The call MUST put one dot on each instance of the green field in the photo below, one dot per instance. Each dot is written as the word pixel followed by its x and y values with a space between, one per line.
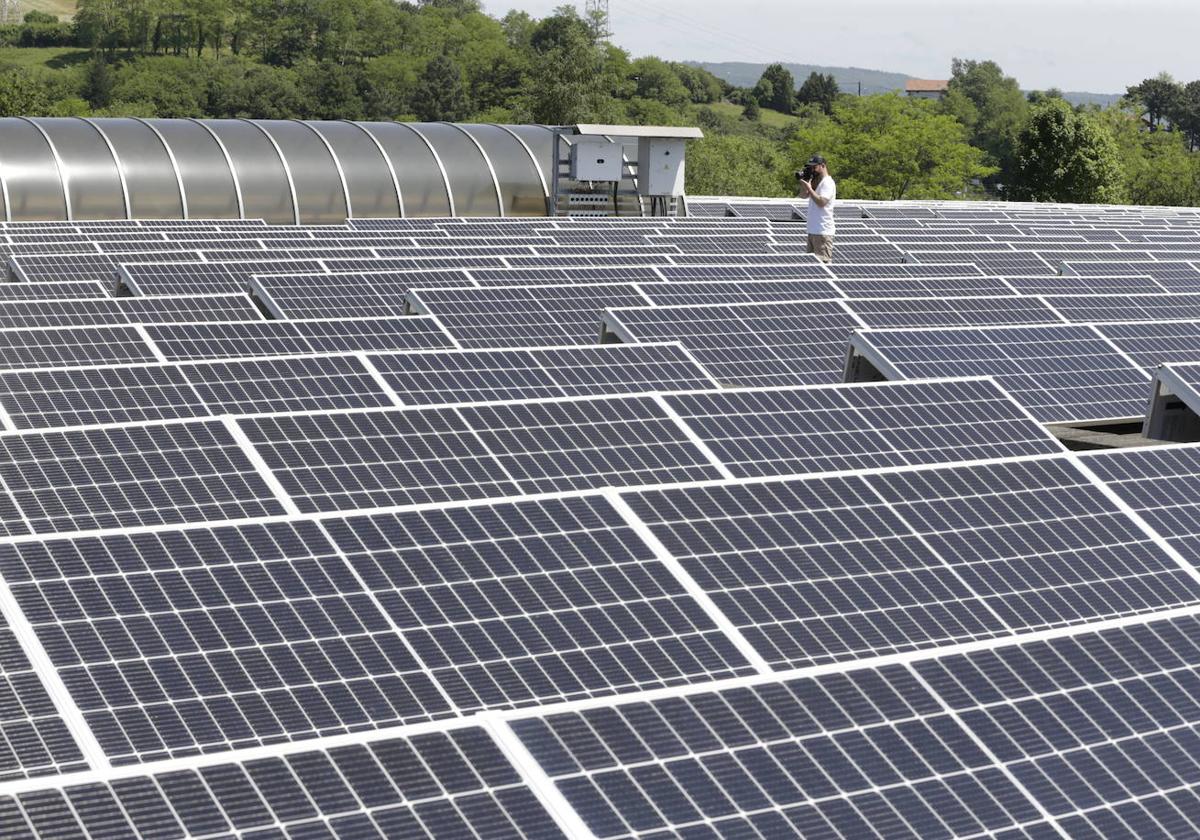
pixel 64 9
pixel 51 57
pixel 770 118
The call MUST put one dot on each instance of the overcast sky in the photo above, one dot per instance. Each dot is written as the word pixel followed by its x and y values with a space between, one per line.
pixel 1071 44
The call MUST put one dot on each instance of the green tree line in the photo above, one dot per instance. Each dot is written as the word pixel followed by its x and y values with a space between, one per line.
pixel 448 60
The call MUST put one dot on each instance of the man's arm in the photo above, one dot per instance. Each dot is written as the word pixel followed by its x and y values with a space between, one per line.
pixel 807 189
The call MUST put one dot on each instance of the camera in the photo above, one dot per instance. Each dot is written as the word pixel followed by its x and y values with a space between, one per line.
pixel 808 173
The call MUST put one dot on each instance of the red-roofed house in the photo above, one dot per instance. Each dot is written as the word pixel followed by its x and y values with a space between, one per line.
pixel 926 88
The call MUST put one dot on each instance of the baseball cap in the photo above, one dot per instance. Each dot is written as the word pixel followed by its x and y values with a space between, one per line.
pixel 816 160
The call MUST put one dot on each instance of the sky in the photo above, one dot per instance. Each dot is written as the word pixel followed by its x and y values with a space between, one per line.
pixel 1077 45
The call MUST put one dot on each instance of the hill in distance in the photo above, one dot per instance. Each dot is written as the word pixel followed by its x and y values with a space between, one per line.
pixel 745 74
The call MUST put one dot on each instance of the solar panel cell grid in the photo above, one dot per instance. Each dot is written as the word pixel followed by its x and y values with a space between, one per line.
pixel 515 604
pixel 1059 373
pixel 122 477
pixel 517 316
pixel 177 641
pixel 789 432
pixel 867 754
pixel 1099 727
pixel 453 784
pixel 750 344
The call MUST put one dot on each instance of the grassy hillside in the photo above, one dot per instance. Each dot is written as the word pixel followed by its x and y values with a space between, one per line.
pixel 744 74
pixel 64 9
pixel 767 117
pixel 52 57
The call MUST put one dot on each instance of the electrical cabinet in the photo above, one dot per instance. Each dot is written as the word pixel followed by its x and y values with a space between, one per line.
pixel 595 159
pixel 660 166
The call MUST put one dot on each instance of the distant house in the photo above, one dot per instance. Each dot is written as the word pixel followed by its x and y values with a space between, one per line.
pixel 926 88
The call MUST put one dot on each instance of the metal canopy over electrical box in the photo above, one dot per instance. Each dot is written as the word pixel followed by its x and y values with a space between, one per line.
pixel 596 159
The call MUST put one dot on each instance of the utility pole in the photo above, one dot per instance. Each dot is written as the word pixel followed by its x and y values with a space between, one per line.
pixel 10 11
pixel 596 12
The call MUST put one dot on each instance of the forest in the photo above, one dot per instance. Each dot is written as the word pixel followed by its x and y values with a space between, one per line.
pixel 450 60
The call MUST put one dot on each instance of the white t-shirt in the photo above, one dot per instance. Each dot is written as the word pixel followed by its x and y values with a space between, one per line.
pixel 820 219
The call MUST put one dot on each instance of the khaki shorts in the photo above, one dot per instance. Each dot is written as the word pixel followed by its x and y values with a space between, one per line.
pixel 822 246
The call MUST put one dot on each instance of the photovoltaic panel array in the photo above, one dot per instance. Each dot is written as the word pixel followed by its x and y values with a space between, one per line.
pixel 179 342
pixel 66 347
pixel 749 344
pixel 34 739
pixel 417 456
pixel 113 477
pixel 80 311
pixel 519 316
pixel 485 375
pixel 455 783
pixel 868 754
pixel 519 604
pixel 1059 373
pixel 1138 478
pixel 361 295
pixel 181 641
pixel 811 430
pixel 831 569
pixel 953 311
pixel 1151 344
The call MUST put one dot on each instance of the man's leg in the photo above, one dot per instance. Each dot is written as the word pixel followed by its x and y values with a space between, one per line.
pixel 822 246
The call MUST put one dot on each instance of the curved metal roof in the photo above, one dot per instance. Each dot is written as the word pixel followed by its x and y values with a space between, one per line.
pixel 283 171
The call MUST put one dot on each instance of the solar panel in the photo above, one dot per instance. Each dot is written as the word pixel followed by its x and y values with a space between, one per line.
pixel 1152 344
pixel 734 291
pixel 1073 285
pixel 585 444
pixel 282 338
pixel 554 276
pixel 1098 727
pixel 927 287
pixel 65 347
pixel 516 316
pixel 32 268
pixel 824 429
pixel 108 310
pixel 1173 276
pixel 414 456
pixel 345 295
pixel 425 378
pixel 34 739
pixel 45 399
pixel 41 399
pixel 1059 373
pixel 749 344
pixel 113 477
pixel 352 461
pixel 1126 307
pixel 528 603
pixel 259 386
pixel 203 278
pixel 869 753
pixel 455 783
pixel 1139 476
pixel 51 290
pixel 214 638
pixel 952 312
pixel 876 271
pixel 1001 264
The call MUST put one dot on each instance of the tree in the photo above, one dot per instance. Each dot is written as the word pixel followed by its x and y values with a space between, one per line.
pixel 819 89
pixel 1158 97
pixel 1185 114
pixel 98 82
pixel 734 165
pixel 21 93
pixel 1063 155
pixel 655 79
pixel 1158 167
pixel 440 93
pixel 890 147
pixel 991 106
pixel 752 112
pixel 782 97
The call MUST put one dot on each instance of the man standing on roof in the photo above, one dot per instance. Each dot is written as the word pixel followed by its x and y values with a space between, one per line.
pixel 816 183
